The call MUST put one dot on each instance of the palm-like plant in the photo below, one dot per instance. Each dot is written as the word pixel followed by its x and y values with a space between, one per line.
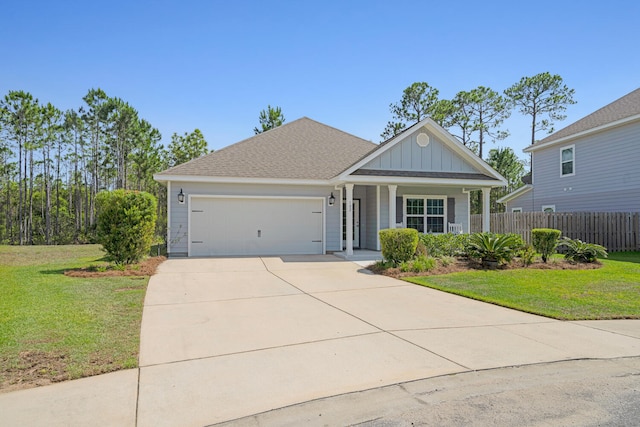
pixel 498 248
pixel 579 251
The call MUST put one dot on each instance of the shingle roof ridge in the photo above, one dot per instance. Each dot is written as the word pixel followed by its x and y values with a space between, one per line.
pixel 339 130
pixel 234 145
pixel 629 104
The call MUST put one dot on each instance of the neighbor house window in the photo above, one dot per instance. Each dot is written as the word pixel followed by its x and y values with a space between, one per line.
pixel 548 208
pixel 425 213
pixel 567 161
pixel 516 210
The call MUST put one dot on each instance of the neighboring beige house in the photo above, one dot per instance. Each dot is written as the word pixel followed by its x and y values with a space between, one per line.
pixel 592 165
pixel 301 188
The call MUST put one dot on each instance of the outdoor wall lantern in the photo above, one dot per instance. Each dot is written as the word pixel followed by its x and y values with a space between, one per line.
pixel 332 200
pixel 181 197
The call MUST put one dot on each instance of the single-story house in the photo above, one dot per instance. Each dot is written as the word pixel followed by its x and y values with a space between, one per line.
pixel 303 187
pixel 592 165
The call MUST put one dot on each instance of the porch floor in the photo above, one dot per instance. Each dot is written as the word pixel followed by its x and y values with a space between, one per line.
pixel 361 255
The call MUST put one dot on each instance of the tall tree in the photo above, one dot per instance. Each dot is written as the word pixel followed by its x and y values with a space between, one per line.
pixel 20 116
pixel 186 147
pixel 544 97
pixel 418 101
pixel 505 162
pixel 270 118
pixel 484 111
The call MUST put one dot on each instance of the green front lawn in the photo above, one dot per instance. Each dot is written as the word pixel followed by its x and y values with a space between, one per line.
pixel 611 292
pixel 54 327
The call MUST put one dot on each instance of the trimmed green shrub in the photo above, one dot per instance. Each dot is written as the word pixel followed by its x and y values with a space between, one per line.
pixel 545 241
pixel 398 244
pixel 579 251
pixel 439 245
pixel 489 247
pixel 125 224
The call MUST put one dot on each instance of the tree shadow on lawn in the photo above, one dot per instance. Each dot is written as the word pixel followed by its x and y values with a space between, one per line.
pixel 633 257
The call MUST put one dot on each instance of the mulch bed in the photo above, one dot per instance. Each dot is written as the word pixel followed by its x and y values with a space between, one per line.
pixel 466 264
pixel 146 267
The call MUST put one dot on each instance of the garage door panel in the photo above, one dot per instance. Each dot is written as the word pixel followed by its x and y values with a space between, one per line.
pixel 254 226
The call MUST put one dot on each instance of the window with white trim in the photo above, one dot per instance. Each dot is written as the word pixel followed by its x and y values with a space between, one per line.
pixel 427 214
pixel 548 208
pixel 516 210
pixel 567 161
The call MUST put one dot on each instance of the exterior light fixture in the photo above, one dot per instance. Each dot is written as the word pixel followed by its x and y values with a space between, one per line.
pixel 332 199
pixel 181 197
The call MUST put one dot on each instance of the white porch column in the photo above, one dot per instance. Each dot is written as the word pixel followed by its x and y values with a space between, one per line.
pixel 349 234
pixel 486 209
pixel 377 217
pixel 392 206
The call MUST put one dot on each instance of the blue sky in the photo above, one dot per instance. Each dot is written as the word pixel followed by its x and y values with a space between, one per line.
pixel 214 65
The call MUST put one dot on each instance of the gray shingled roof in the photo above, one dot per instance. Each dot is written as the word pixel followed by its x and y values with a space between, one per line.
pixel 627 106
pixel 302 149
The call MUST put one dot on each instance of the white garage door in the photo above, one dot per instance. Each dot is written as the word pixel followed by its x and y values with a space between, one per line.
pixel 255 226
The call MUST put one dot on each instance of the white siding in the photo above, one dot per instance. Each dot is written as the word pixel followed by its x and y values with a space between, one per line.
pixel 607 174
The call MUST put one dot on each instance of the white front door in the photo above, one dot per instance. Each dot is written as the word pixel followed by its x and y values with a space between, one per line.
pixel 356 223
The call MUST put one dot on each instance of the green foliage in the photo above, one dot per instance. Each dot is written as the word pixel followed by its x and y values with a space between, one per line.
pixel 446 260
pixel 539 96
pixel 489 247
pixel 482 111
pixel 126 224
pixel 398 244
pixel 507 164
pixel 418 102
pixel 579 251
pixel 269 119
pixel 527 255
pixel 545 241
pixel 186 147
pixel 439 245
pixel 419 264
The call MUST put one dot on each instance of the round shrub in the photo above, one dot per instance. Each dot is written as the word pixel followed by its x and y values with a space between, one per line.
pixel 125 224
pixel 398 244
pixel 545 241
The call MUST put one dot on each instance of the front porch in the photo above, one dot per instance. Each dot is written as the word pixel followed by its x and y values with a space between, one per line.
pixel 368 208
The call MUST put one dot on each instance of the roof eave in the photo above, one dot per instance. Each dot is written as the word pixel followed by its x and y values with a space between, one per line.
pixel 518 192
pixel 587 132
pixel 239 180
pixel 391 180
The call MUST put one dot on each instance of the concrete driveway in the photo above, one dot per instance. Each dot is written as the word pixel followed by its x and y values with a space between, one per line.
pixel 230 337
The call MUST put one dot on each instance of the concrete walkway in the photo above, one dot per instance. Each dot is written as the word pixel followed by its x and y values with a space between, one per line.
pixel 230 337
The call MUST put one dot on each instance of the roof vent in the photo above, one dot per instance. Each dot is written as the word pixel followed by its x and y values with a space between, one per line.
pixel 422 139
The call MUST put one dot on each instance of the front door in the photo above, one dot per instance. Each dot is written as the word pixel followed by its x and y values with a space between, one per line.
pixel 356 223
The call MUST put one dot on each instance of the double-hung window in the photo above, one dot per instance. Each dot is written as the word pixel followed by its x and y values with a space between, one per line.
pixel 567 161
pixel 426 213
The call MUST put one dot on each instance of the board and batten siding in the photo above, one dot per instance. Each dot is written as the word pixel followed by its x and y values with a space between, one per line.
pixel 178 232
pixel 408 155
pixel 606 179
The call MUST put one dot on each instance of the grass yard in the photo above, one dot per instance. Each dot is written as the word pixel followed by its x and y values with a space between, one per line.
pixel 53 327
pixel 610 292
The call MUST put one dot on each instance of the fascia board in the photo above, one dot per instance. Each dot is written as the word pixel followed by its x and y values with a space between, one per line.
pixel 390 180
pixel 234 180
pixel 449 140
pixel 515 193
pixel 587 132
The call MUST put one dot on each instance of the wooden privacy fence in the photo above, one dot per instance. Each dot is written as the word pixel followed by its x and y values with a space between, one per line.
pixel 616 231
